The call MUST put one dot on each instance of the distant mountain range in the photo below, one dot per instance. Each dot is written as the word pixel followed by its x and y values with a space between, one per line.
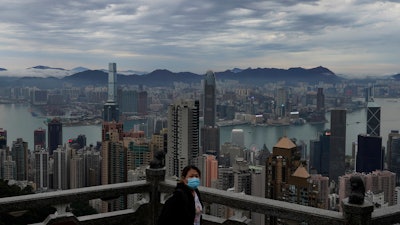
pixel 81 76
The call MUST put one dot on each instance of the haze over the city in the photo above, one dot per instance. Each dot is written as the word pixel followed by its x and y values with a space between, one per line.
pixel 350 37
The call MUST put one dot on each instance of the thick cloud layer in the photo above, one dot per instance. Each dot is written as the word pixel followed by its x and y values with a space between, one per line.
pixel 347 36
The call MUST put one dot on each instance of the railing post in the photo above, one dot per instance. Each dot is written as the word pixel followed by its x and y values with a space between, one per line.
pixel 357 214
pixel 154 176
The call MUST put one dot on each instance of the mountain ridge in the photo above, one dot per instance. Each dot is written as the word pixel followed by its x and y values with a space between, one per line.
pixel 164 77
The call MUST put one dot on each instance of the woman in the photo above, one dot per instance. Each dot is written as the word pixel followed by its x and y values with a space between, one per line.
pixel 184 207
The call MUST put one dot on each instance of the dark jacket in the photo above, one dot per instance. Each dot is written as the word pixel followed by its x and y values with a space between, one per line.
pixel 179 209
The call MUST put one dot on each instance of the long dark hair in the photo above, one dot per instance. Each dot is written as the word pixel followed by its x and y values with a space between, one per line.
pixel 189 167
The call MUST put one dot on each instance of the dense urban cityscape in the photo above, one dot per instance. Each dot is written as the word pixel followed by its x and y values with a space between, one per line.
pixel 184 123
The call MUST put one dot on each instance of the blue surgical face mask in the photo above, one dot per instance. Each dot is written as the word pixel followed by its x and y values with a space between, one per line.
pixel 193 182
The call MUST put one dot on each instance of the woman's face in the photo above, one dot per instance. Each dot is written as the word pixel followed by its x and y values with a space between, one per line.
pixel 191 173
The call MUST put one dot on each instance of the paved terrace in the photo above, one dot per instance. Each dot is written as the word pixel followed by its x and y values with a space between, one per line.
pixel 155 184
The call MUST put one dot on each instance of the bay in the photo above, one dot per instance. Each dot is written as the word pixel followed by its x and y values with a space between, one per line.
pixel 19 123
pixel 257 136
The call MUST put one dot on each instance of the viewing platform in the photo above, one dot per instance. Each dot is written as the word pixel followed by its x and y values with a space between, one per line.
pixel 155 184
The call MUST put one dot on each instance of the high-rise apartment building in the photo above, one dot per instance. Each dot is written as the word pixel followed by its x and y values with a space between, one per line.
pixel 41 168
pixel 114 161
pixel 208 166
pixel 61 171
pixel 225 182
pixel 9 169
pixel 39 138
pixel 3 158
pixel 19 154
pixel 183 136
pixel 92 167
pixel 321 189
pixel 159 142
pixel 370 155
pixel 337 152
pixel 258 189
pixel 39 97
pixel 3 138
pixel 319 153
pixel 138 152
pixel 287 179
pixel 376 182
pixel 55 135
pixel 111 109
pixel 393 154
pixel 373 119
pixel 77 171
pixel 282 163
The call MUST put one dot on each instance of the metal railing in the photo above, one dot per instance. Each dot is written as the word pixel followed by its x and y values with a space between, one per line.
pixel 155 184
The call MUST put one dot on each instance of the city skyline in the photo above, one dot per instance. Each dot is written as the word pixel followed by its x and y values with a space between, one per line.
pixel 349 37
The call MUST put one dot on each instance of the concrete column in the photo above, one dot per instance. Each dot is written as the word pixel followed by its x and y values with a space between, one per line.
pixel 154 176
pixel 355 214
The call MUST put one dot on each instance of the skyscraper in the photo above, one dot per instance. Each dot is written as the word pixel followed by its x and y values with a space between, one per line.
pixel 39 138
pixel 3 158
pixel 41 168
pixel 111 110
pixel 319 153
pixel 92 167
pixel 114 161
pixel 209 132
pixel 320 100
pixel 393 153
pixel 61 171
pixel 128 101
pixel 337 152
pixel 77 171
pixel 19 154
pixel 209 167
pixel 373 119
pixel 3 138
pixel 210 141
pixel 142 103
pixel 282 163
pixel 54 128
pixel 281 102
pixel 370 155
pixel 183 135
pixel 209 99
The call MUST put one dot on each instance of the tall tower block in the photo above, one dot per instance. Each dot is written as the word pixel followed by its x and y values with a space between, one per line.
pixel 183 136
pixel 373 119
pixel 210 132
pixel 337 151
pixel 54 128
pixel 111 109
pixel 209 99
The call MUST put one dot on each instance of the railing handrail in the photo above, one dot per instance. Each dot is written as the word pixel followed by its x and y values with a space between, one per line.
pixel 22 202
pixel 156 184
pixel 268 207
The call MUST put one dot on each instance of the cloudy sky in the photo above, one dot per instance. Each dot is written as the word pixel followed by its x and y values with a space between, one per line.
pixel 353 37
